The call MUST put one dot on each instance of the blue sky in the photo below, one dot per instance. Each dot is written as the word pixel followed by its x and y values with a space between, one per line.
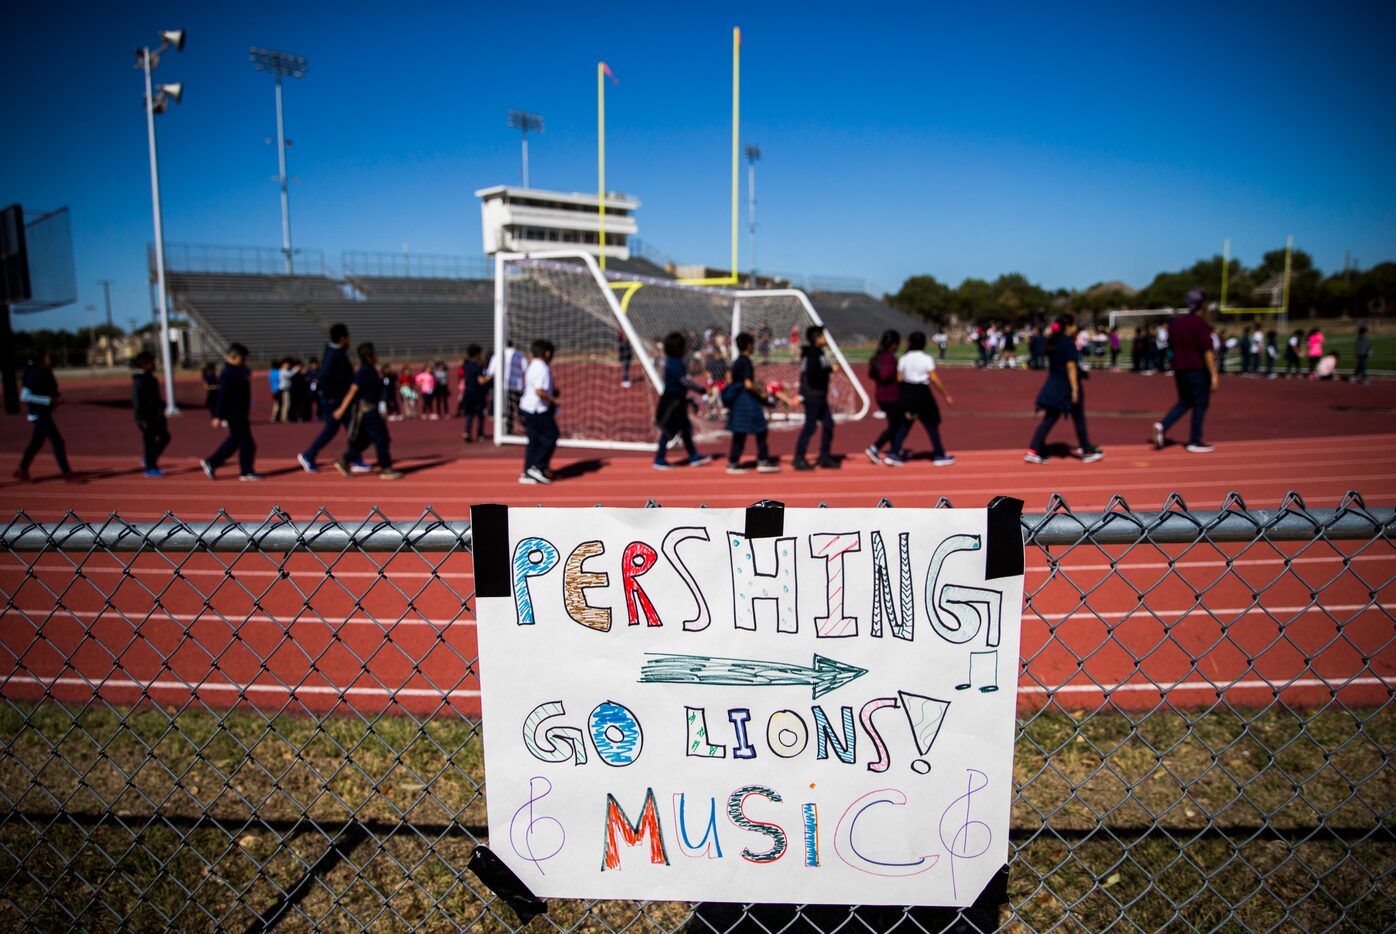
pixel 1070 142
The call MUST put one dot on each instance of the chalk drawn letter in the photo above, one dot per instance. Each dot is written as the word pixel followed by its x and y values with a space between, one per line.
pixel 865 717
pixel 558 743
pixel 736 802
pixel 750 585
pixel 787 734
pixel 955 610
pixel 618 825
pixel 710 846
pixel 859 858
pixel 810 813
pixel 670 548
pixel 832 546
pixel 846 749
pixel 698 744
pixel 575 581
pixel 925 716
pixel 638 559
pixel 903 624
pixel 616 734
pixel 532 557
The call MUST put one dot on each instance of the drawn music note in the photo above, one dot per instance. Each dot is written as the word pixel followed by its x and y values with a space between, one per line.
pixel 993 664
pixel 531 823
pixel 963 842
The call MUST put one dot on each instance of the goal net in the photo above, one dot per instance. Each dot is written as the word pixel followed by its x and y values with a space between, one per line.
pixel 608 330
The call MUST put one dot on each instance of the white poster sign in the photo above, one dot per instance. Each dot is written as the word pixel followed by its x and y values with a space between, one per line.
pixel 675 710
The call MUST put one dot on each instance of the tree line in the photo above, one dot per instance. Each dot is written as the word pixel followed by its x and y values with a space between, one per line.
pixel 1012 297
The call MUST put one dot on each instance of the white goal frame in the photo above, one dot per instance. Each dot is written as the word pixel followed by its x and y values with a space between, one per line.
pixel 641 350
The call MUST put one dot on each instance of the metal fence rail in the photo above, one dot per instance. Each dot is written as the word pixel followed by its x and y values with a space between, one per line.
pixel 250 725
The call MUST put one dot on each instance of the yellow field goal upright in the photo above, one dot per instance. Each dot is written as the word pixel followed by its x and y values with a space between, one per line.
pixel 1283 308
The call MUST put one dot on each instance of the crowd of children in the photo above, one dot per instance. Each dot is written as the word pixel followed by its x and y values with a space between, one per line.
pixel 697 378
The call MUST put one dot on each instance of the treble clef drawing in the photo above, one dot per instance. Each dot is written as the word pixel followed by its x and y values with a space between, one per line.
pixel 968 838
pixel 531 825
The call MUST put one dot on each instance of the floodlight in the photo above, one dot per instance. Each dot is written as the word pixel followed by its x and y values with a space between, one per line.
pixel 527 122
pixel 278 63
pixel 753 152
pixel 173 38
pixel 173 91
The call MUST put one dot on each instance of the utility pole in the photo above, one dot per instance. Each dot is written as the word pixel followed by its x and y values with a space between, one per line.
pixel 753 155
pixel 281 64
pixel 106 293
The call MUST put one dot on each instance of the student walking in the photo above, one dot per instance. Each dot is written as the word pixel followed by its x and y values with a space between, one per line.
pixel 1194 373
pixel 746 414
pixel 887 392
pixel 1272 353
pixel 671 413
pixel 149 410
pixel 1292 353
pixel 473 394
pixel 233 410
pixel 538 406
pixel 1315 341
pixel 1062 394
pixel 359 411
pixel 40 395
pixel 816 366
pixel 511 370
pixel 335 377
pixel 916 370
pixel 1362 349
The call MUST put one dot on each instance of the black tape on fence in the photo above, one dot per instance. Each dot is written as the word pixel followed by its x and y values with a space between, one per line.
pixel 500 880
pixel 1004 555
pixel 489 537
pixel 765 519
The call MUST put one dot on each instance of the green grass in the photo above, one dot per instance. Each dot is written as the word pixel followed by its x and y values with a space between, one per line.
pixel 1186 820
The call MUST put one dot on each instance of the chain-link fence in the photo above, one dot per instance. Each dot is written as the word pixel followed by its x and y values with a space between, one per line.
pixel 275 724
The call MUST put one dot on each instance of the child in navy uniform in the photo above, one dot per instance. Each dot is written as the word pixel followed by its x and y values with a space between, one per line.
pixel 746 413
pixel 365 421
pixel 538 405
pixel 150 412
pixel 916 370
pixel 1062 393
pixel 40 394
pixel 473 396
pixel 671 414
pixel 815 368
pixel 234 409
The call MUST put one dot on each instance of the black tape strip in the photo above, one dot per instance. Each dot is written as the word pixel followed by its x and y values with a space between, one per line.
pixel 1004 556
pixel 500 880
pixel 765 519
pixel 489 536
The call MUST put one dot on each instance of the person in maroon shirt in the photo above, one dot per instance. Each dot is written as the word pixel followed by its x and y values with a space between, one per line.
pixel 1194 372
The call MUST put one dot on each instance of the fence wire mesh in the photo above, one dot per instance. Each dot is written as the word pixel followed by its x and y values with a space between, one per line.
pixel 275 724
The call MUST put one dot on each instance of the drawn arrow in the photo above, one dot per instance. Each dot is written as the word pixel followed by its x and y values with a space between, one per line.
pixel 823 676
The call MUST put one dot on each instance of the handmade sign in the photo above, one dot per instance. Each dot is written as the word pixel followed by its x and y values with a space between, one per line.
pixel 800 705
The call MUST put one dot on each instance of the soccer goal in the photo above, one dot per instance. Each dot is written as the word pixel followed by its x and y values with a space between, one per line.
pixel 608 330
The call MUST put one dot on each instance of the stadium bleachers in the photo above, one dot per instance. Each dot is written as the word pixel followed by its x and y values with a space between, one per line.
pixel 858 318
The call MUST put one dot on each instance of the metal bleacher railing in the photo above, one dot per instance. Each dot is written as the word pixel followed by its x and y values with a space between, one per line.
pixel 402 265
pixel 209 258
pixel 201 728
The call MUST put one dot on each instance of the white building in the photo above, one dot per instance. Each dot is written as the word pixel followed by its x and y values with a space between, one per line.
pixel 526 220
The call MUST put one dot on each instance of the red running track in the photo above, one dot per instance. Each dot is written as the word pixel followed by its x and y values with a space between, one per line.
pixel 247 634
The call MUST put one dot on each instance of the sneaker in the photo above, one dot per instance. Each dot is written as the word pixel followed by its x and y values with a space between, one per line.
pixel 538 475
pixel 662 465
pixel 22 475
pixel 343 467
pixel 525 478
pixel 208 468
pixel 767 466
pixel 892 460
pixel 828 463
pixel 390 474
pixel 154 473
pixel 1158 435
pixel 873 456
pixel 700 460
pixel 360 467
pixel 945 460
pixel 1091 456
pixel 307 464
pixel 250 477
pixel 625 384
pixel 798 463
pixel 734 468
pixel 1032 457
pixel 1203 448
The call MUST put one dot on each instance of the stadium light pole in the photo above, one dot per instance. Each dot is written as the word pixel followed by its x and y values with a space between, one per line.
pixel 158 101
pixel 281 64
pixel 525 123
pixel 753 156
